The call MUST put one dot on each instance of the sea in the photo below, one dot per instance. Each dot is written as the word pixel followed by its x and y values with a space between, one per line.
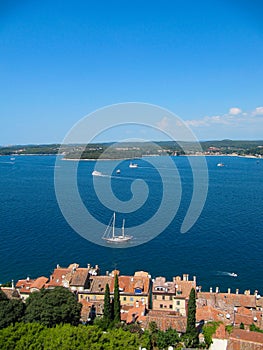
pixel 226 238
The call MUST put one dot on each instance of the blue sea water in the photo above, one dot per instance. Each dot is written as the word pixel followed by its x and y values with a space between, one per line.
pixel 34 236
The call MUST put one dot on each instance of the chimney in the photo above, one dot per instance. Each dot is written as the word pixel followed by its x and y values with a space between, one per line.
pixel 184 277
pixel 217 289
pixel 237 291
pixel 27 278
pixel 256 292
pixel 211 290
pixel 107 273
pixel 88 266
pixel 58 266
pixel 96 267
pixel 194 278
pixel 187 277
pixel 13 286
pixel 229 290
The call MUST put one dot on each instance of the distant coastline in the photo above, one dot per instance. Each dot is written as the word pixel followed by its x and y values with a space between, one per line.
pixel 138 150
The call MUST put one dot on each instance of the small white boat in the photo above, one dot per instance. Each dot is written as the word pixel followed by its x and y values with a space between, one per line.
pixel 233 274
pixel 96 173
pixel 110 236
pixel 118 171
pixel 220 164
pixel 133 165
pixel 12 158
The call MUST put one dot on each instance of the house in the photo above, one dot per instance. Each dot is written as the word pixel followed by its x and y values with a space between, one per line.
pixel 28 285
pixel 73 277
pixel 132 289
pixel 172 295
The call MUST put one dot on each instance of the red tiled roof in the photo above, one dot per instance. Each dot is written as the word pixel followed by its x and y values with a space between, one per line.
pixel 59 275
pixel 39 283
pixel 127 284
pixel 80 277
pixel 165 321
pixel 209 313
pixel 136 313
pixel 24 285
pixel 240 334
pixel 228 299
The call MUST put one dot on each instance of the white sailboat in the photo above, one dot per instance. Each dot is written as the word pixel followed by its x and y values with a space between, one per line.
pixel 110 236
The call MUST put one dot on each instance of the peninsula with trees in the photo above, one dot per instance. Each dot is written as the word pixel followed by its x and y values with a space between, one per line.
pixel 127 150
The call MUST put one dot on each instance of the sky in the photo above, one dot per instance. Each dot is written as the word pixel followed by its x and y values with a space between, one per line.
pixel 62 60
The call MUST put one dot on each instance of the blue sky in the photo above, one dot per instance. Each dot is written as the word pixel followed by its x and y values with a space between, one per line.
pixel 61 60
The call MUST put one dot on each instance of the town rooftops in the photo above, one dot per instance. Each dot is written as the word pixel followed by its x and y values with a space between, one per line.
pixel 227 299
pixel 73 275
pixel 138 284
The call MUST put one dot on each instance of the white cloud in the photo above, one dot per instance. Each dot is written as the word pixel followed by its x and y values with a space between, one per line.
pixel 258 111
pixel 234 111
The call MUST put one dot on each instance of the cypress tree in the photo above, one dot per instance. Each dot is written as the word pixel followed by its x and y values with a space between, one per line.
pixel 191 330
pixel 107 304
pixel 116 301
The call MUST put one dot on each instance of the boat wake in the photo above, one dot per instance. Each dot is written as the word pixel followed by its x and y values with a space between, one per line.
pixel 225 273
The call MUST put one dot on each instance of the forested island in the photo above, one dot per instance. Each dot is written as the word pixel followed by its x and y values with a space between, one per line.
pixel 127 150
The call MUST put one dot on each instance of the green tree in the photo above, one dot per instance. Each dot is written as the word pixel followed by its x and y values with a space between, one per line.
pixel 191 331
pixel 51 307
pixel 11 310
pixel 209 330
pixel 107 314
pixel 116 301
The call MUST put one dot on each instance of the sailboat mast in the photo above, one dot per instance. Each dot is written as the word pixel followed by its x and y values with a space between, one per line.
pixel 122 229
pixel 113 225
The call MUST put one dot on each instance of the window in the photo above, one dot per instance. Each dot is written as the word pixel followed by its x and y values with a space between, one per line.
pixel 155 297
pixel 171 298
pixel 170 306
pixel 178 302
pixel 161 306
pixel 131 298
pixel 163 297
pixel 124 298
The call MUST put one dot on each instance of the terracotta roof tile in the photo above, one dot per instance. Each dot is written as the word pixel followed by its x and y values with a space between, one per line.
pixel 39 282
pixel 59 277
pixel 165 321
pixel 79 277
pixel 24 285
pixel 253 337
pixel 228 299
